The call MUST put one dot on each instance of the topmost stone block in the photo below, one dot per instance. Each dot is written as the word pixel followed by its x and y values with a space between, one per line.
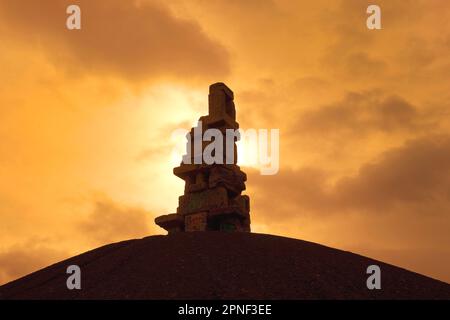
pixel 222 111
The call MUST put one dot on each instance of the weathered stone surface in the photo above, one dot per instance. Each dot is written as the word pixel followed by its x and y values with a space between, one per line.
pixel 171 222
pixel 185 171
pixel 199 185
pixel 243 202
pixel 231 179
pixel 221 101
pixel 222 111
pixel 204 200
pixel 196 222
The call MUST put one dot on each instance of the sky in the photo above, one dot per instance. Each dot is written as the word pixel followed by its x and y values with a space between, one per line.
pixel 86 118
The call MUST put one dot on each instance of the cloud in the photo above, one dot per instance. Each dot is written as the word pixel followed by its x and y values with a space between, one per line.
pixel 22 259
pixel 414 177
pixel 350 128
pixel 131 39
pixel 356 128
pixel 394 208
pixel 291 195
pixel 361 113
pixel 417 173
pixel 111 222
pixel 162 147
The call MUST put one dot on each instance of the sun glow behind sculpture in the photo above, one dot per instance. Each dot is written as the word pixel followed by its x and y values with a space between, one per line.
pixel 248 154
pixel 248 151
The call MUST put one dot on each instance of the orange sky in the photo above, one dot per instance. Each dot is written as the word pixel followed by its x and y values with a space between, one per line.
pixel 86 118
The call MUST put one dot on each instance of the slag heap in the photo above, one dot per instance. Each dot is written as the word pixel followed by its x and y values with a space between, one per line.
pixel 212 199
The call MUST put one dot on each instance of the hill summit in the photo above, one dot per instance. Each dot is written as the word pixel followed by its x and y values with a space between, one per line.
pixel 222 265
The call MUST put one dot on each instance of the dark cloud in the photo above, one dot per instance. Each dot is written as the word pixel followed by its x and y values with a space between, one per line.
pixel 417 173
pixel 355 53
pixel 20 260
pixel 136 40
pixel 414 177
pixel 361 113
pixel 395 208
pixel 111 222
